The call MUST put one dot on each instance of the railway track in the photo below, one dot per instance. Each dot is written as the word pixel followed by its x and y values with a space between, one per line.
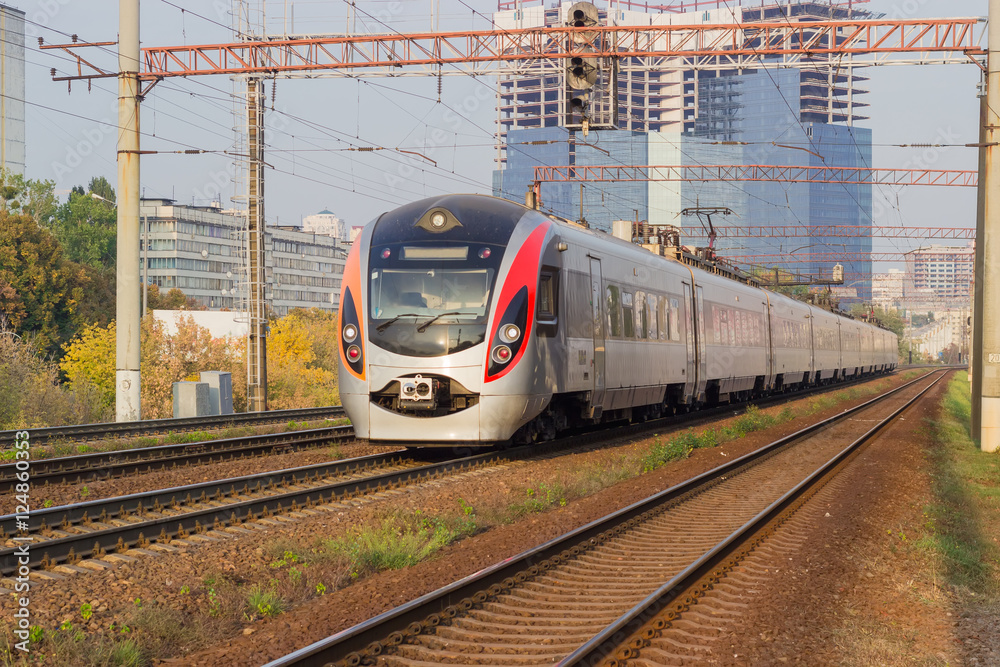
pixel 104 431
pixel 603 593
pixel 62 536
pixel 65 535
pixel 105 465
pixel 95 466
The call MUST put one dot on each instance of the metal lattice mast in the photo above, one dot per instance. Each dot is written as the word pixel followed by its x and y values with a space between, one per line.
pixel 249 200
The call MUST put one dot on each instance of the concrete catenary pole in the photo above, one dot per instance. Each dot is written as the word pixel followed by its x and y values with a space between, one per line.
pixel 127 379
pixel 987 365
pixel 976 353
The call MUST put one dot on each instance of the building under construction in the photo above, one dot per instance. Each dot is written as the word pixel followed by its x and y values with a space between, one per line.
pixel 680 114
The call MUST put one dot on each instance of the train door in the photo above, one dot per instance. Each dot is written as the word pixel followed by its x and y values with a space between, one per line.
pixel 596 299
pixel 768 346
pixel 702 354
pixel 691 373
pixel 812 346
pixel 840 351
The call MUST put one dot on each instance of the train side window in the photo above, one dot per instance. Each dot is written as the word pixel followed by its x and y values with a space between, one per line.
pixel 662 319
pixel 642 326
pixel 628 316
pixel 675 324
pixel 547 294
pixel 614 312
pixel 651 316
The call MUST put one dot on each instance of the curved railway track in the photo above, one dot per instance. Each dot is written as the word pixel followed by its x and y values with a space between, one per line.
pixel 104 431
pixel 597 595
pixel 118 463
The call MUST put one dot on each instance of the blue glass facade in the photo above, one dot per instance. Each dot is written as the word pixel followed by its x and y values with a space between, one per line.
pixel 764 110
pixel 761 114
pixel 657 202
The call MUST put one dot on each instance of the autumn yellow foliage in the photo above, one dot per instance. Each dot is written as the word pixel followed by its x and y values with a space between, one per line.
pixel 301 362
pixel 90 359
pixel 297 378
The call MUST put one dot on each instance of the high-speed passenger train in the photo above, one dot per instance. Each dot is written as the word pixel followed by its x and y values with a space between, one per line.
pixel 471 319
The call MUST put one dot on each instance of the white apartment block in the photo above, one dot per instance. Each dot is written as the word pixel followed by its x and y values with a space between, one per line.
pixel 200 250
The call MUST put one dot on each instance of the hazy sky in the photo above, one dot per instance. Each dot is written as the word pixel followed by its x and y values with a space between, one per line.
pixel 315 122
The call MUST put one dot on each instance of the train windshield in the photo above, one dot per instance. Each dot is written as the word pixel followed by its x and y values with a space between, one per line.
pixel 459 294
pixel 429 312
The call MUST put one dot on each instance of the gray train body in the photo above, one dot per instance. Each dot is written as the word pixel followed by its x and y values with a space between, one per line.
pixel 470 319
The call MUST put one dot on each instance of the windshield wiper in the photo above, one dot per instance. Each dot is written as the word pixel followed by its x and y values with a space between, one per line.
pixel 423 327
pixel 385 325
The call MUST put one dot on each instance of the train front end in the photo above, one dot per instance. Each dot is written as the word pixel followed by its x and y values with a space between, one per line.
pixel 437 310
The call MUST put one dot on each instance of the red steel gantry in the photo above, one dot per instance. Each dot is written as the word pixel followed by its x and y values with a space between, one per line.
pixel 756 172
pixel 729 45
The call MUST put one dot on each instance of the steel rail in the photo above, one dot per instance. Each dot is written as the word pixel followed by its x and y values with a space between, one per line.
pixel 104 430
pixel 610 640
pixel 366 640
pixel 104 465
pixel 164 528
pixel 70 547
pixel 68 515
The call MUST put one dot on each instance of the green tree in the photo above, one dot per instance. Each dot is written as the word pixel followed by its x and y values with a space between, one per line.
pixel 97 306
pixel 174 299
pixel 35 199
pixel 30 392
pixel 87 229
pixel 40 290
pixel 102 188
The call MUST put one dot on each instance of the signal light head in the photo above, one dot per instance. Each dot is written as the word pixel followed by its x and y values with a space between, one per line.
pixel 509 333
pixel 501 354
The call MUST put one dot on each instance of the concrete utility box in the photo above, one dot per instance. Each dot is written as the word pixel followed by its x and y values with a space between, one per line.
pixel 191 399
pixel 220 391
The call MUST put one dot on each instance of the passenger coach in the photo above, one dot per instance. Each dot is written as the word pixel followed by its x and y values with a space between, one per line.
pixel 471 319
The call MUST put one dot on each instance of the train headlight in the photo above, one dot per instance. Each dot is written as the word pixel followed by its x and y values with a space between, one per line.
pixel 353 353
pixel 350 333
pixel 501 354
pixel 438 220
pixel 509 333
pixel 424 390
